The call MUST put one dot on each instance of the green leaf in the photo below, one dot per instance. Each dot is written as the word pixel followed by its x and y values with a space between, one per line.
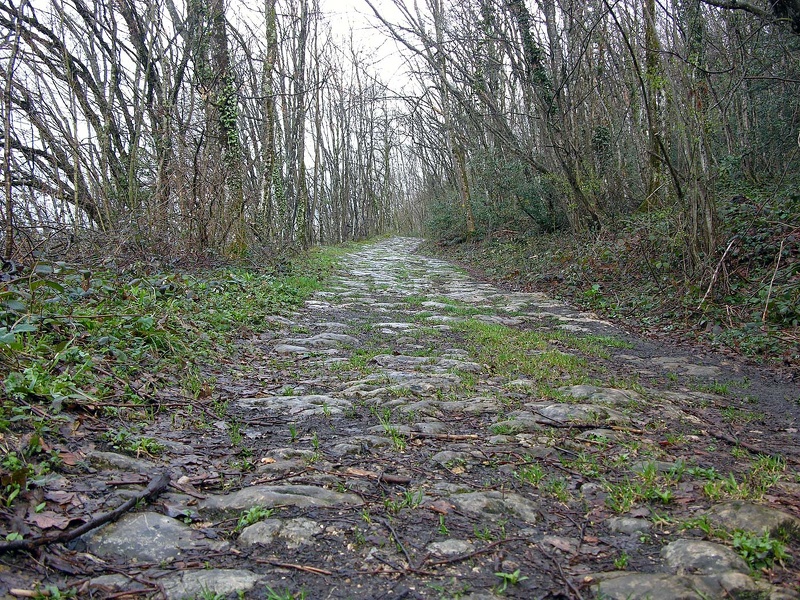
pixel 14 305
pixel 53 285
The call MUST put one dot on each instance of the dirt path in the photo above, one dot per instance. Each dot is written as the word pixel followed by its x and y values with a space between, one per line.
pixel 414 433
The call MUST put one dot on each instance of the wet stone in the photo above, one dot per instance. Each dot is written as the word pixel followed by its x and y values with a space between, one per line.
pixel 659 466
pixel 583 413
pixel 646 586
pixel 432 427
pixel 294 532
pixel 147 537
pixel 449 457
pixel 450 547
pixel 627 525
pixel 600 394
pixel 706 558
pixel 120 461
pixel 268 496
pixel 495 505
pixel 662 586
pixel 345 450
pixel 684 366
pixel 298 406
pixel 198 584
pixel 290 349
pixel 751 517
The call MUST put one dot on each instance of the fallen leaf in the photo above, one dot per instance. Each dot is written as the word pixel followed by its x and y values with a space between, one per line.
pixel 443 507
pixel 356 472
pixel 563 544
pixel 591 539
pixel 47 519
pixel 60 496
pixel 457 470
pixel 70 458
pixel 267 460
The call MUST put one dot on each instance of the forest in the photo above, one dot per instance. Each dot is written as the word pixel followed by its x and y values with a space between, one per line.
pixel 399 299
pixel 150 128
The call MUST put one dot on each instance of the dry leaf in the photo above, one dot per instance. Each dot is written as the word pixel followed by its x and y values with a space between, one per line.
pixel 267 460
pixel 356 472
pixel 47 519
pixel 443 507
pixel 591 539
pixel 70 458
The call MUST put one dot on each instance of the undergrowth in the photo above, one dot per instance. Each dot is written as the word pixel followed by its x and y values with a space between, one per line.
pixel 745 297
pixel 103 343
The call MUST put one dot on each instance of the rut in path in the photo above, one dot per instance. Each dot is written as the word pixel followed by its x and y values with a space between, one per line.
pixel 419 434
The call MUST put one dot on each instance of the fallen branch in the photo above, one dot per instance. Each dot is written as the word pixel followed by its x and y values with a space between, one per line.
pixel 157 485
pixel 453 437
pixel 716 272
pixel 566 579
pixel 305 568
pixel 750 447
pixel 771 283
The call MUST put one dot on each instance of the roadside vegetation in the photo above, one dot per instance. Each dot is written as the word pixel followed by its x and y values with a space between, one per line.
pixel 106 346
pixel 743 298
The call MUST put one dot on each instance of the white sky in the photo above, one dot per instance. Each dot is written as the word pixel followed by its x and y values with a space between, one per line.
pixel 378 50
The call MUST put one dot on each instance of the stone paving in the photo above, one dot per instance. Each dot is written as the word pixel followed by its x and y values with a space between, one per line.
pixel 392 462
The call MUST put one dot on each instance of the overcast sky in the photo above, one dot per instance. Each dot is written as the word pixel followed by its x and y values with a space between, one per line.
pixel 381 52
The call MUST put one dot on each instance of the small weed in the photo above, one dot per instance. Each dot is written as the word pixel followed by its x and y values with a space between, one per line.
pixel 125 441
pixel 509 579
pixel 292 432
pixel 531 474
pixel 557 487
pixel 52 592
pixel 622 496
pixel 702 523
pixel 409 499
pixel 442 527
pixel 359 537
pixel 739 416
pixel 715 387
pixel 483 533
pixel 503 429
pixel 220 408
pixel 234 432
pixel 253 515
pixel 285 594
pixel 621 561
pixel 760 551
pixel 207 594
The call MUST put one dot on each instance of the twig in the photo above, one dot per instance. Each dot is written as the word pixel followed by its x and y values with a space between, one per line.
pixel 754 449
pixel 399 542
pixel 453 437
pixel 157 485
pixel 186 491
pixel 561 572
pixel 307 569
pixel 716 272
pixel 772 281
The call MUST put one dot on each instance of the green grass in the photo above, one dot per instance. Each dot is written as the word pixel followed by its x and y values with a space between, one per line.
pixel 112 341
pixel 513 352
